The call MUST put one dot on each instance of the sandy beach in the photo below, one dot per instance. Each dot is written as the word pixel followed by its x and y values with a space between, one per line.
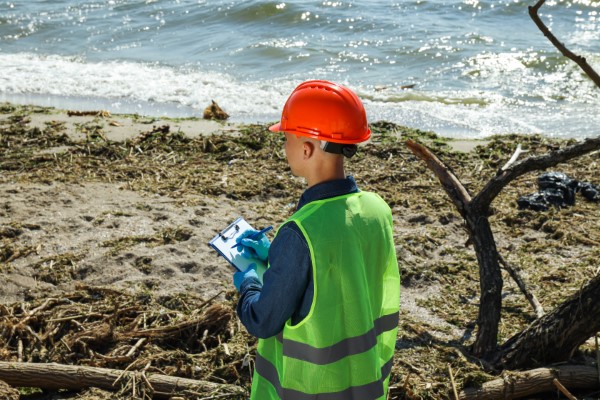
pixel 128 203
pixel 82 219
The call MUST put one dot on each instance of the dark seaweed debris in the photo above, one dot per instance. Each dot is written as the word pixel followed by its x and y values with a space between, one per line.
pixel 559 190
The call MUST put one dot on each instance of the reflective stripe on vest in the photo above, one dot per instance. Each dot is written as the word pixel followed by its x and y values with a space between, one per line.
pixel 346 347
pixel 371 390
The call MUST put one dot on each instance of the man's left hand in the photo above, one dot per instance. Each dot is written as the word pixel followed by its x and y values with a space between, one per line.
pixel 240 276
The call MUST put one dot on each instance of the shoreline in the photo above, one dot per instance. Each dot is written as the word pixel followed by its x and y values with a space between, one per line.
pixel 121 127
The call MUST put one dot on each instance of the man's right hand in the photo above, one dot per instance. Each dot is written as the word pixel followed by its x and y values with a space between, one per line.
pixel 254 247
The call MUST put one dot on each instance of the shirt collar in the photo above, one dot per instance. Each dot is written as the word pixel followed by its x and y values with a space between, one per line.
pixel 325 190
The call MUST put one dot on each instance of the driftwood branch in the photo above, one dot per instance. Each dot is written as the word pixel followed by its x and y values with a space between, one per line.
pixel 555 336
pixel 59 376
pixel 475 211
pixel 515 274
pixel 514 158
pixel 514 385
pixel 485 248
pixel 563 389
pixel 581 61
pixel 453 187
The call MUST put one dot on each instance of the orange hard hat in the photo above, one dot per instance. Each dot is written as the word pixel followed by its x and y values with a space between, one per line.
pixel 326 111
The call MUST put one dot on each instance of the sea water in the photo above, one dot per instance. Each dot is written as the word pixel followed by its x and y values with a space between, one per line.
pixel 465 68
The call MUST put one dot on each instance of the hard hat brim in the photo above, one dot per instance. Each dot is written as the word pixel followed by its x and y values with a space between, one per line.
pixel 276 127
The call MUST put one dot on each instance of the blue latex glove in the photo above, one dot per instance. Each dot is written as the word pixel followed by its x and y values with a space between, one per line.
pixel 255 247
pixel 240 276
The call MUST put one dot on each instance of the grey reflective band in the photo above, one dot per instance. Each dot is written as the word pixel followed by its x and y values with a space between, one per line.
pixel 344 348
pixel 369 391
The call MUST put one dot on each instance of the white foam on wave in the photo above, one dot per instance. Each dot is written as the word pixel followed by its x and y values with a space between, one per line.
pixel 482 114
pixel 136 87
pixel 155 89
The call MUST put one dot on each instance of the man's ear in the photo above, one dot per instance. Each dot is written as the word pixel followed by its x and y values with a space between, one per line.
pixel 308 149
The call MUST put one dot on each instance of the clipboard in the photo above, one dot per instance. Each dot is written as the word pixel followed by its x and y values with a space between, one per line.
pixel 224 243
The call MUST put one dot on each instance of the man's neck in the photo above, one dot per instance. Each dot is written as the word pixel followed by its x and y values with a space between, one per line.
pixel 325 175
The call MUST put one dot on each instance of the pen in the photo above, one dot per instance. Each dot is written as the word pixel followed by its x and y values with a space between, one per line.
pixel 255 235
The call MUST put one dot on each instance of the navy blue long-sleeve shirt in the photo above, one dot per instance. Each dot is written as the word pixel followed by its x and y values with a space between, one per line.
pixel 288 288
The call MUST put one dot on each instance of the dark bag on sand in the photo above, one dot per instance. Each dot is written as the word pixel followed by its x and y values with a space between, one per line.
pixel 589 191
pixel 559 190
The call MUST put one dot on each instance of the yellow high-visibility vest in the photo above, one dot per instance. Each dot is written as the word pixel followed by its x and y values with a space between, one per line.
pixel 344 347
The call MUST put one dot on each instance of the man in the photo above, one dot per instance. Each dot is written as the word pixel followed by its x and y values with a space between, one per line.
pixel 326 314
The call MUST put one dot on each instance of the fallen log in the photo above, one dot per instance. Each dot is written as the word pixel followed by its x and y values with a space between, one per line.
pixel 74 377
pixel 515 385
pixel 557 335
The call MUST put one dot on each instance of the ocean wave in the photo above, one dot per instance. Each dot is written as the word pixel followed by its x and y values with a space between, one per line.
pixel 181 91
pixel 27 73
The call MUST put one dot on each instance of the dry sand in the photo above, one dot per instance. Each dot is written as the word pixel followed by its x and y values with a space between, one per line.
pixel 121 127
pixel 82 220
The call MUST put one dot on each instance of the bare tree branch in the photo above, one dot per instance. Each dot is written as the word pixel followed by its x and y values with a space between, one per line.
pixel 453 187
pixel 581 61
pixel 514 158
pixel 484 198
pixel 75 377
pixel 516 275
pixel 485 248
pixel 475 212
